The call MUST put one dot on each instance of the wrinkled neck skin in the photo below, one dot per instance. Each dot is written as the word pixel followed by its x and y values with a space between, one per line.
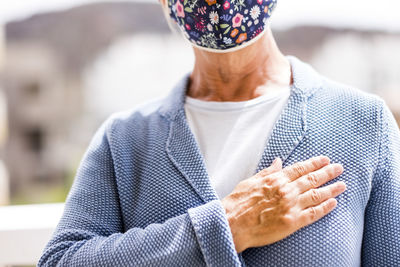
pixel 242 74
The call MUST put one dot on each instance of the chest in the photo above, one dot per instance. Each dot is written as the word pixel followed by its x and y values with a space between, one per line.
pixel 157 186
pixel 335 240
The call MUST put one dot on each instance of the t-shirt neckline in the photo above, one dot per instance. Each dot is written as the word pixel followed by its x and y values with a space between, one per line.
pixel 237 105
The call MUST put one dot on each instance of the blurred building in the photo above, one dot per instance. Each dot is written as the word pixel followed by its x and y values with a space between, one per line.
pixel 366 61
pixel 43 103
pixel 66 71
pixel 51 121
pixel 2 47
pixel 4 179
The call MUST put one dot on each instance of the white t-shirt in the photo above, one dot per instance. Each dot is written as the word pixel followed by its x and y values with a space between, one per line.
pixel 232 135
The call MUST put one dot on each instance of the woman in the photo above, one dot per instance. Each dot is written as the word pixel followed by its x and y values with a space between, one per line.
pixel 187 180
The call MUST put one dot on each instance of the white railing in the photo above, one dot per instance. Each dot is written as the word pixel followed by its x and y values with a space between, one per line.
pixel 25 230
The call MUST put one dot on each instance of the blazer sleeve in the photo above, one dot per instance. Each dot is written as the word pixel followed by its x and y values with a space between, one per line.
pixel 90 232
pixel 381 241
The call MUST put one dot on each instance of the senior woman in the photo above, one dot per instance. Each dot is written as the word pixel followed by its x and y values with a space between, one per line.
pixel 227 169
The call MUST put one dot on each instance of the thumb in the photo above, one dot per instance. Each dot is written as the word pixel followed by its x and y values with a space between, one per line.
pixel 276 164
pixel 275 167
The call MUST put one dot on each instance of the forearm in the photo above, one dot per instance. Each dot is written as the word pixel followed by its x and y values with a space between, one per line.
pixel 157 244
pixel 196 238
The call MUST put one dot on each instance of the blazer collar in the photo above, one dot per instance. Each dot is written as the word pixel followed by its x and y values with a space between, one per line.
pixel 305 80
pixel 288 132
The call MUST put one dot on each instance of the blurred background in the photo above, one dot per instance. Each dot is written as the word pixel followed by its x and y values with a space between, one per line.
pixel 66 65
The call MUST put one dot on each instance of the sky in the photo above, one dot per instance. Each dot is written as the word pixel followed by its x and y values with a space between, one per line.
pixel 363 14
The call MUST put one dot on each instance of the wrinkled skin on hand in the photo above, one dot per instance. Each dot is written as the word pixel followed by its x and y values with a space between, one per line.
pixel 276 202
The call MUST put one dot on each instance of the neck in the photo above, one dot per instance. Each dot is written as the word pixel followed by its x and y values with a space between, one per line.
pixel 240 75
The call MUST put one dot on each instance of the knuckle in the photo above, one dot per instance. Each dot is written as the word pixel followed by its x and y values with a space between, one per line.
pixel 315 196
pixel 288 220
pixel 329 171
pixel 313 213
pixel 284 200
pixel 265 189
pixel 312 179
pixel 325 207
pixel 299 169
pixel 315 163
pixel 275 184
pixel 283 193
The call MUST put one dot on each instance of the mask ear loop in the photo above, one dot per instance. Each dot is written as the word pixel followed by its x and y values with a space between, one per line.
pixel 168 17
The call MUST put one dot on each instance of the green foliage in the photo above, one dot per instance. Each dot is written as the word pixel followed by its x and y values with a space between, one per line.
pixel 38 195
pixel 45 193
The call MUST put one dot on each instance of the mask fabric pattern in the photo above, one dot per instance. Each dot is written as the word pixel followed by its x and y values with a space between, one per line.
pixel 221 25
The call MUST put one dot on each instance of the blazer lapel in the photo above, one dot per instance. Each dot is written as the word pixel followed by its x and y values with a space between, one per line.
pixel 182 147
pixel 291 126
pixel 186 155
pixel 287 133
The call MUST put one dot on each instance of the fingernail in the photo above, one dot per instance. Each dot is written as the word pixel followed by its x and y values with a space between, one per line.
pixel 332 202
pixel 338 168
pixel 324 159
pixel 341 186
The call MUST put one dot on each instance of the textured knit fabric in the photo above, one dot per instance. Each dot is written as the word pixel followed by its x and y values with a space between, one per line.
pixel 232 135
pixel 142 195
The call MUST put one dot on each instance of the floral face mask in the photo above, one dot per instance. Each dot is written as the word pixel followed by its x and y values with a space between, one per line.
pixel 221 25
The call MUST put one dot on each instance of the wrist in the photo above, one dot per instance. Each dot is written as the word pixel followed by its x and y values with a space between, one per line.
pixel 240 246
pixel 238 236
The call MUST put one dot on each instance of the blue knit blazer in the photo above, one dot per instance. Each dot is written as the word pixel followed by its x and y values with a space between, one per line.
pixel 142 195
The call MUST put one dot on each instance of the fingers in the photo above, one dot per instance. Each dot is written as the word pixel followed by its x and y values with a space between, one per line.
pixel 318 178
pixel 302 168
pixel 313 214
pixel 314 197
